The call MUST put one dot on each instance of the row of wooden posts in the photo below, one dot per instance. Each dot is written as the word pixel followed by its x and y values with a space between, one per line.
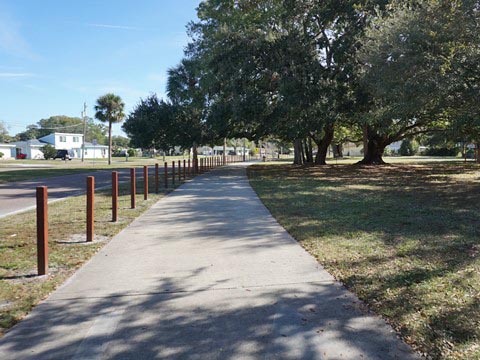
pixel 190 169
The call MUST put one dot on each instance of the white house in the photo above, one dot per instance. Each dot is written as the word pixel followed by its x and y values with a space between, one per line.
pixel 73 143
pixel 31 148
pixel 62 141
pixel 8 151
pixel 395 146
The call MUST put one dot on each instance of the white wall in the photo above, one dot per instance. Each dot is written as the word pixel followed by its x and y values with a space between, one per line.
pixel 7 151
pixel 34 153
pixel 98 152
pixel 64 141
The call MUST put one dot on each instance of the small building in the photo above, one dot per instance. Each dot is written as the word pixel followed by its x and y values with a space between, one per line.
pixel 61 141
pixel 92 151
pixel 352 149
pixel 31 148
pixel 8 151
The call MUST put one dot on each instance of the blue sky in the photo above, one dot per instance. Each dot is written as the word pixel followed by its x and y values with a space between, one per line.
pixel 56 54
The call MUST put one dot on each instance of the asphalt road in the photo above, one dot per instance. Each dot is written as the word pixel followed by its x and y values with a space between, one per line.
pixel 19 196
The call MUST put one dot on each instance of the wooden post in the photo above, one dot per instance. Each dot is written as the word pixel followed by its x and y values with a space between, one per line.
pixel 165 174
pixel 114 196
pixel 189 168
pixel 156 179
pixel 184 170
pixel 133 187
pixel 90 208
pixel 145 183
pixel 42 230
pixel 173 172
pixel 179 171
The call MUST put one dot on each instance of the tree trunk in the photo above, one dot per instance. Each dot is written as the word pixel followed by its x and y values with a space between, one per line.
pixel 308 151
pixel 302 152
pixel 297 152
pixel 109 143
pixel 323 144
pixel 195 158
pixel 224 150
pixel 365 139
pixel 374 155
pixel 337 151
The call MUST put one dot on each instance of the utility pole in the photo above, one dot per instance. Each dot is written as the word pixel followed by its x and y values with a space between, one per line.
pixel 84 116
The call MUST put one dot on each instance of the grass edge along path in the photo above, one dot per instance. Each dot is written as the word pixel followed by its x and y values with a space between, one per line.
pixel 20 288
pixel 404 238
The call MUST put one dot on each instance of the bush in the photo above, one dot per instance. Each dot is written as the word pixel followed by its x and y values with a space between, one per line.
pixel 49 151
pixel 443 151
pixel 131 152
pixel 1 154
pixel 408 147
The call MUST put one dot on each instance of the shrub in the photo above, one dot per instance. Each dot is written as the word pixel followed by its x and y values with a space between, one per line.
pixel 131 152
pixel 49 151
pixel 408 147
pixel 1 154
pixel 442 151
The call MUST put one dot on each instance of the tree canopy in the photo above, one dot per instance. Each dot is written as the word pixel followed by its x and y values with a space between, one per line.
pixel 321 73
pixel 109 109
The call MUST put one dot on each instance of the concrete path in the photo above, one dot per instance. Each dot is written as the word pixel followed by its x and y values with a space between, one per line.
pixel 206 273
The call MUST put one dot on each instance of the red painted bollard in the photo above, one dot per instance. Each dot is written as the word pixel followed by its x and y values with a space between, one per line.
pixel 42 230
pixel 114 196
pixel 145 183
pixel 90 207
pixel 184 170
pixel 173 172
pixel 156 179
pixel 165 174
pixel 133 187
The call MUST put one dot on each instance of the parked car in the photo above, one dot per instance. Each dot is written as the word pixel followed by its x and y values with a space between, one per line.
pixel 63 154
pixel 21 156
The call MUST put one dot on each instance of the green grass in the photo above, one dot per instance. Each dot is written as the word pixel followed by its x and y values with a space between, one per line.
pixel 404 238
pixel 21 170
pixel 29 174
pixel 20 288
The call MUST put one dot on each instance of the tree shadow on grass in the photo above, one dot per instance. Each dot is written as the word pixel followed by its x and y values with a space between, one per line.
pixel 421 223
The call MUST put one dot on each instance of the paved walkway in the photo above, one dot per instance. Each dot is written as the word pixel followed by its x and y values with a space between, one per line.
pixel 206 273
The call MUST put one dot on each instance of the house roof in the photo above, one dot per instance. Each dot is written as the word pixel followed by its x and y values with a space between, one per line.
pixel 60 133
pixel 89 144
pixel 32 142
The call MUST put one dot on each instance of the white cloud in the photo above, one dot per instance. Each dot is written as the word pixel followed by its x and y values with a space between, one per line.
pixel 15 75
pixel 109 26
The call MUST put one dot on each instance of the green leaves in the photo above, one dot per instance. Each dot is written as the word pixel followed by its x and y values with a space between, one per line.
pixel 109 108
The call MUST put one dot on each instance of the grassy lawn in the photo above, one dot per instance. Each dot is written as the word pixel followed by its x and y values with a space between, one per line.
pixel 20 288
pixel 404 238
pixel 29 174
pixel 20 170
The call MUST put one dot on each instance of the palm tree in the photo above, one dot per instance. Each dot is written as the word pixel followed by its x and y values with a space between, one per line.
pixel 109 109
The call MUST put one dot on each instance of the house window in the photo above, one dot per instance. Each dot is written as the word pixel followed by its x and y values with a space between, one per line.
pixel 63 139
pixel 76 139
